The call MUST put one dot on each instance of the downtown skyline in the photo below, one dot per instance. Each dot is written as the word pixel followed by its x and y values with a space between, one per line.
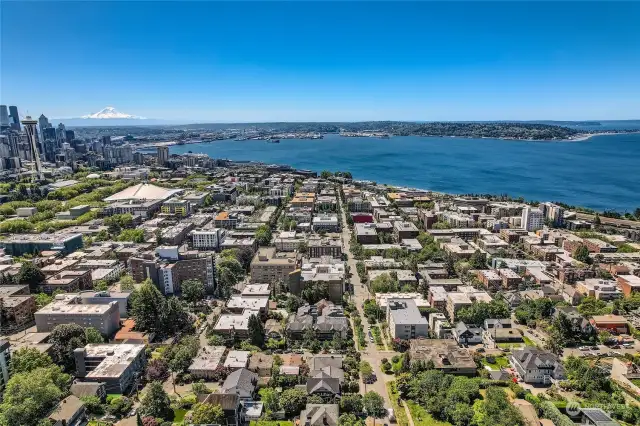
pixel 224 62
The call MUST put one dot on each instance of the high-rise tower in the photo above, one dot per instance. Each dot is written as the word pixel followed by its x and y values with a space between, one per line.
pixel 32 135
pixel 14 121
pixel 4 118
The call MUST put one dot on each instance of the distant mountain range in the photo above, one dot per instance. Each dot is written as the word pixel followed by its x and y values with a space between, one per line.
pixel 108 117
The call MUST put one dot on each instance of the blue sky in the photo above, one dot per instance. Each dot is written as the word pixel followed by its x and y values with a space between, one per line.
pixel 299 61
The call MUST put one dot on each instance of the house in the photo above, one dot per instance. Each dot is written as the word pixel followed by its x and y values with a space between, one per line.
pixel 261 364
pixel 320 415
pixel 613 323
pixel 467 335
pixel 493 336
pixel 237 359
pixel 445 355
pixel 535 365
pixel 234 326
pixel 579 324
pixel 83 389
pixel 596 417
pixel 273 329
pixel 208 360
pixel 324 318
pixel 231 407
pixel 629 284
pixel 71 411
pixel 241 382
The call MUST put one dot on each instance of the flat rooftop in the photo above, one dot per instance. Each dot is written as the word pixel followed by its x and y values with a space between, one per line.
pixel 117 358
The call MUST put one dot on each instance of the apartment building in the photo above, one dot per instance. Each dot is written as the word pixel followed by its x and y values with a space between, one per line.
pixel 405 321
pixel 269 267
pixel 629 284
pixel 510 279
pixel 17 306
pixel 325 222
pixel 71 309
pixel 208 238
pixel 289 241
pixel 532 219
pixel 68 281
pixel 320 247
pixel 600 289
pixel 177 207
pixel 455 302
pixel 226 220
pixel 490 279
pixel 404 230
pixel 116 365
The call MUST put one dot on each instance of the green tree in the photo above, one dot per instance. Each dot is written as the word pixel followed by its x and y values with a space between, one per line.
pixel 205 413
pixel 478 260
pixel 30 396
pixel 314 292
pixel 133 235
pixel 93 336
pixel 293 401
pixel 119 406
pixel 30 275
pixel 270 399
pixel 325 174
pixel 200 388
pixel 147 307
pixel 174 317
pixel 293 303
pixel 25 360
pixel 93 404
pixel 101 285
pixel 351 403
pixel 263 235
pixel 127 283
pixel 193 291
pixel 496 409
pixel 373 405
pixel 581 254
pixel 155 402
pixel 256 331
pixel 64 339
pixel 480 311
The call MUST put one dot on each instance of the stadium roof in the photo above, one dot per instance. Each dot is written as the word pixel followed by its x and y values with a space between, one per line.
pixel 143 191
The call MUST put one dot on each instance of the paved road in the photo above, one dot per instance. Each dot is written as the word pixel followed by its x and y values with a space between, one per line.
pixel 361 293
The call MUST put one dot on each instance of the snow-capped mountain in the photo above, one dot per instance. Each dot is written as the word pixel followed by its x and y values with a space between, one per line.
pixel 110 113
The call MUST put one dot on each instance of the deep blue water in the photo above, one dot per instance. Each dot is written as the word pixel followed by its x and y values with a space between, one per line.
pixel 602 172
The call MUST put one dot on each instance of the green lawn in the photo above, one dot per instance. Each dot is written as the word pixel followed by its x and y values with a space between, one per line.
pixel 178 415
pixel 401 415
pixel 270 423
pixel 528 341
pixel 511 345
pixel 636 382
pixel 500 362
pixel 422 418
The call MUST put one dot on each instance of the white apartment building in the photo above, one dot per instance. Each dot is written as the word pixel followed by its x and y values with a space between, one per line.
pixel 532 219
pixel 405 321
pixel 208 239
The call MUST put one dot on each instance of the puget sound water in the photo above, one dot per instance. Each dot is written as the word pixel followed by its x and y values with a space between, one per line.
pixel 602 172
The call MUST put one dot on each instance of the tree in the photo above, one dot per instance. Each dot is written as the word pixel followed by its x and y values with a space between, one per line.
pixel 365 369
pixel 155 402
pixel 460 414
pixel 147 307
pixel 351 403
pixel 30 396
pixel 93 336
pixel 496 409
pixel 293 401
pixel 293 303
pixel 581 254
pixel 200 388
pixel 157 370
pixel 127 283
pixel 303 247
pixel 133 235
pixel 480 311
pixel 120 406
pixel 174 317
pixel 193 291
pixel 25 360
pixel 101 285
pixel 373 405
pixel 349 419
pixel 596 221
pixel 93 404
pixel 205 413
pixel 314 292
pixel 64 339
pixel 263 235
pixel 478 260
pixel 325 174
pixel 226 280
pixel 30 275
pixel 256 331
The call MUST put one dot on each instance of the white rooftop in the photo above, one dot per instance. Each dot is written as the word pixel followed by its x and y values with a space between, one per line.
pixel 237 359
pixel 143 191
